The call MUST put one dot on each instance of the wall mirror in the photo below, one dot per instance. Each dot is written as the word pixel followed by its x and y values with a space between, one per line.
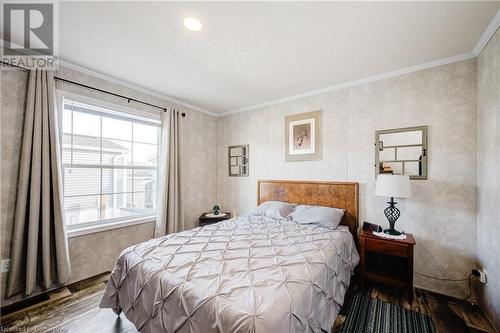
pixel 402 151
pixel 238 161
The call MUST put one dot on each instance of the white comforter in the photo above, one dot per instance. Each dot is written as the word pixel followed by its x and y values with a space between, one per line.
pixel 250 274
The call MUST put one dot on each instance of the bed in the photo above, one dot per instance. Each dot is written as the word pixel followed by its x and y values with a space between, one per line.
pixel 247 274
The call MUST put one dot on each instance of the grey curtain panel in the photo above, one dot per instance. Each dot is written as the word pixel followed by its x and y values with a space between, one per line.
pixel 39 248
pixel 170 218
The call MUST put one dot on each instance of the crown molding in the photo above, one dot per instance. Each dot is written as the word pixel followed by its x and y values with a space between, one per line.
pixel 487 34
pixel 374 78
pixel 132 86
pixel 483 40
pixel 123 83
pixel 481 43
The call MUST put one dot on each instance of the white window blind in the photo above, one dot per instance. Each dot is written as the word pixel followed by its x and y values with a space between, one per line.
pixel 109 164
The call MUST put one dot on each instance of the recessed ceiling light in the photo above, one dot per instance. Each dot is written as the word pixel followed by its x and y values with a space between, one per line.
pixel 192 24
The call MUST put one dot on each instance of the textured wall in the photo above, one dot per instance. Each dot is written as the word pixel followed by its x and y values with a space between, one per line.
pixel 96 253
pixel 488 180
pixel 442 212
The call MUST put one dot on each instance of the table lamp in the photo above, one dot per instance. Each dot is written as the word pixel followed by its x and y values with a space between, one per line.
pixel 393 186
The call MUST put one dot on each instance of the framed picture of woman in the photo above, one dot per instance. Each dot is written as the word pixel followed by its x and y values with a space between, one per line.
pixel 302 137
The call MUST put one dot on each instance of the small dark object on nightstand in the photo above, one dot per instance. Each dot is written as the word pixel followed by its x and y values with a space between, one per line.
pixel 367 226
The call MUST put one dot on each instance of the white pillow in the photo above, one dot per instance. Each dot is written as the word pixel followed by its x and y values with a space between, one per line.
pixel 324 216
pixel 273 209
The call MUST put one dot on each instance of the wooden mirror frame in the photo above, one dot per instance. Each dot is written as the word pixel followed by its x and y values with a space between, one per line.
pixel 424 145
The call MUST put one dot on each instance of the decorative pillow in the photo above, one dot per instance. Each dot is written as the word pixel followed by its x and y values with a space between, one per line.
pixel 273 209
pixel 324 216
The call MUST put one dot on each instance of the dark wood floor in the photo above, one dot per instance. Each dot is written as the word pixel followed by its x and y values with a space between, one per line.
pixel 75 309
pixel 446 314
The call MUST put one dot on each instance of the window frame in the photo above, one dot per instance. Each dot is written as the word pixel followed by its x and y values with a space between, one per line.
pixel 113 111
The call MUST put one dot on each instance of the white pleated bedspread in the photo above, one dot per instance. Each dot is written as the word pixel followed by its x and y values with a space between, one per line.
pixel 249 274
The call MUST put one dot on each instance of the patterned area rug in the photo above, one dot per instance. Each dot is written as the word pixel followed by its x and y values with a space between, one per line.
pixel 370 315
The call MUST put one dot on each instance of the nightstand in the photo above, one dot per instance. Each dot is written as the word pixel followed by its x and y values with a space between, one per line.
pixel 204 220
pixel 387 261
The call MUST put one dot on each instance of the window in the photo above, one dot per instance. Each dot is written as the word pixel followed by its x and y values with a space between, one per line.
pixel 109 164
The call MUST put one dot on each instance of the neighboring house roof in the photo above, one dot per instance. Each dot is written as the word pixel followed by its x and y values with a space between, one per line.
pixel 92 143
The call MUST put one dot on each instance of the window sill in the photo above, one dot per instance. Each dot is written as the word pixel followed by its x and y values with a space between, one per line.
pixel 85 230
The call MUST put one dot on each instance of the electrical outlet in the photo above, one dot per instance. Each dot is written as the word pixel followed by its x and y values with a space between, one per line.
pixel 482 276
pixel 4 266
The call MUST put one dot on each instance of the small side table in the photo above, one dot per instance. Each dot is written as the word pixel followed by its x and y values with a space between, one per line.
pixel 204 220
pixel 387 261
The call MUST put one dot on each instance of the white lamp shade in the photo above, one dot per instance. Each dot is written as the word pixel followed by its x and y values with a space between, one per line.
pixel 397 186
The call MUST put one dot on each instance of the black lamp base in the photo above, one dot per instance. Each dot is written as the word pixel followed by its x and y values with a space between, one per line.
pixel 393 232
pixel 392 215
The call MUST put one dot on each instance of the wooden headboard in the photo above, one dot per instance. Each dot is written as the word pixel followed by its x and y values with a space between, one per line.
pixel 322 193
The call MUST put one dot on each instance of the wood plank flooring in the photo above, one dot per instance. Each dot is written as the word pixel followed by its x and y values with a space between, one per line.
pixel 75 309
pixel 447 316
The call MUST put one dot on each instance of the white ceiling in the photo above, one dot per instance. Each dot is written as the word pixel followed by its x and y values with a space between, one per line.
pixel 254 52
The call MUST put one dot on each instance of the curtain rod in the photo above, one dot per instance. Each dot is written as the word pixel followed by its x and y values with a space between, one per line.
pixel 129 99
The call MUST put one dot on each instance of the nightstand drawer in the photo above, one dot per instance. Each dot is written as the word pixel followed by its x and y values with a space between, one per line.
pixel 391 248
